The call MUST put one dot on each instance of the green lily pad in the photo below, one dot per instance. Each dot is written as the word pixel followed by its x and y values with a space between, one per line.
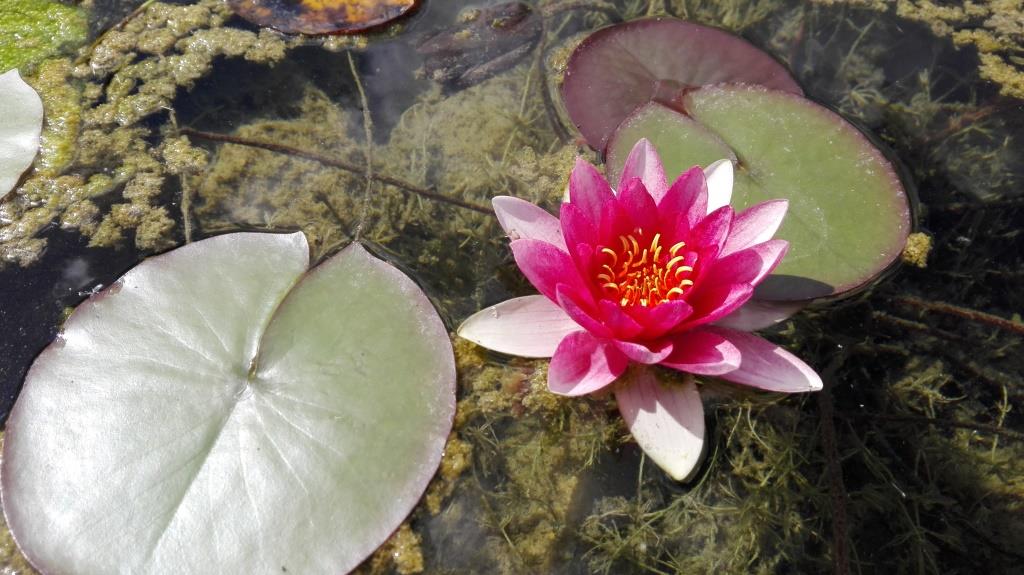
pixel 221 410
pixel 849 215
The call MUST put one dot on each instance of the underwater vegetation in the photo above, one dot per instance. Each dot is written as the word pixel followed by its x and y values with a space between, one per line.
pixel 34 30
pixel 908 460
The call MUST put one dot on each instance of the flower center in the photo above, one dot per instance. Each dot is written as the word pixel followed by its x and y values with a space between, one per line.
pixel 638 272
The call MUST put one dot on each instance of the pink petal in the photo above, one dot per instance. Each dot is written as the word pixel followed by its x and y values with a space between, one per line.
pixel 546 266
pixel 720 179
pixel 703 352
pixel 530 326
pixel 646 353
pixel 716 301
pixel 755 225
pixel 623 326
pixel 638 203
pixel 643 162
pixel 755 315
pixel 667 421
pixel 688 189
pixel 658 320
pixel 584 364
pixel 583 256
pixel 570 305
pixel 615 222
pixel 765 365
pixel 588 190
pixel 712 231
pixel 576 227
pixel 522 220
pixel 749 265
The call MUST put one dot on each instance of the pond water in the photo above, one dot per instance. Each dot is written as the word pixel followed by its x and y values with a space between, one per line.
pixel 910 460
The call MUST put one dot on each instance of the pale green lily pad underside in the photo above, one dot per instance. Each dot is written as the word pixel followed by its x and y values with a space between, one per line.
pixel 219 410
pixel 848 214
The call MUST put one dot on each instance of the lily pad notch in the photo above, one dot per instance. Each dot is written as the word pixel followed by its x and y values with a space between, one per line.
pixel 221 408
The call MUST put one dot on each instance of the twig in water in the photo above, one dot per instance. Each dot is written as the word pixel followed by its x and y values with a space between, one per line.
pixel 837 490
pixel 428 193
pixel 545 91
pixel 966 313
pixel 956 207
pixel 364 206
pixel 921 420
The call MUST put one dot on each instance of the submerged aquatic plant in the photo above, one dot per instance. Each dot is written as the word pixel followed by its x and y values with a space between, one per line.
pixel 653 274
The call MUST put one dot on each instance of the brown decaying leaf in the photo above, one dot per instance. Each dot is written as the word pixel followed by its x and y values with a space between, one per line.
pixel 322 16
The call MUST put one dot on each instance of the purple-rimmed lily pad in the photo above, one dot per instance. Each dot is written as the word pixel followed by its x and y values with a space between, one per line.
pixel 849 215
pixel 222 410
pixel 617 69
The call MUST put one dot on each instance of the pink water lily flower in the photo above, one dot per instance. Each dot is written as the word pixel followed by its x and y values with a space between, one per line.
pixel 650 274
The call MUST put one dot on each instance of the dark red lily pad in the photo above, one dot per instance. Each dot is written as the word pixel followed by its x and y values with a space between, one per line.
pixel 617 69
pixel 849 215
pixel 322 16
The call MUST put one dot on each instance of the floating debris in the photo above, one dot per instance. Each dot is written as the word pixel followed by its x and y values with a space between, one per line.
pixel 322 16
pixel 482 43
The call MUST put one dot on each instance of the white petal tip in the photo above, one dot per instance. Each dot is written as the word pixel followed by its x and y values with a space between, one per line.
pixel 719 176
pixel 530 326
pixel 667 421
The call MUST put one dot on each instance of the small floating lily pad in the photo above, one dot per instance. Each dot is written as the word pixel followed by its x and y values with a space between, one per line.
pixel 322 16
pixel 221 410
pixel 21 123
pixel 848 216
pixel 617 69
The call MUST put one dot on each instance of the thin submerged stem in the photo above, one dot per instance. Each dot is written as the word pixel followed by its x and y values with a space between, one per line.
pixel 367 151
pixel 963 312
pixel 425 192
pixel 938 422
pixel 834 469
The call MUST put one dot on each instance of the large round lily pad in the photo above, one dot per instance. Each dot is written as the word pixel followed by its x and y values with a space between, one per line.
pixel 848 213
pixel 617 69
pixel 220 410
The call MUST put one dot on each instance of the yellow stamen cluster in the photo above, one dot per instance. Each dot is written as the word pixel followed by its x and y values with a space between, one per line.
pixel 644 276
